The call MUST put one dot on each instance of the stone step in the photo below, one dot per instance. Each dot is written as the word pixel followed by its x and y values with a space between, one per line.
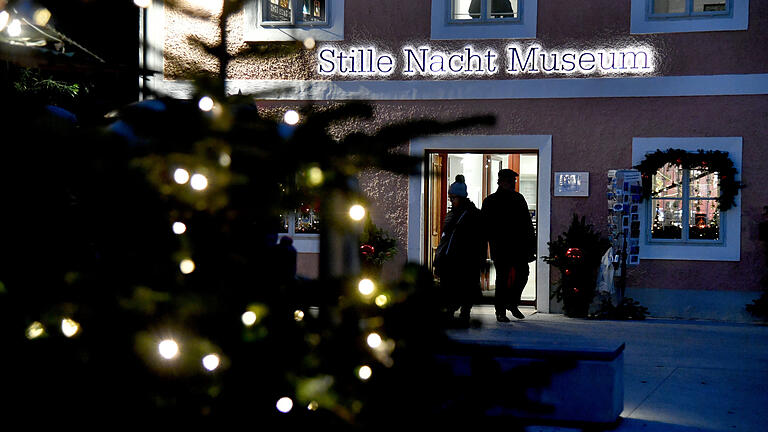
pixel 560 380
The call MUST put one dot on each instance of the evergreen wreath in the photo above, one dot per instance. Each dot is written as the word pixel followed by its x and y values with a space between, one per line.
pixel 712 161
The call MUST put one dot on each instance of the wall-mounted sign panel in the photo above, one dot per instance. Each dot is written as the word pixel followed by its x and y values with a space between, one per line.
pixel 575 184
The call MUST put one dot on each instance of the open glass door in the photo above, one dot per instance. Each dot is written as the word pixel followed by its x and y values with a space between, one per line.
pixel 480 171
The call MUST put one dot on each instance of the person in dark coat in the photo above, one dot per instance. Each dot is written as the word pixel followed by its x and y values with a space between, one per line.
pixel 461 253
pixel 512 241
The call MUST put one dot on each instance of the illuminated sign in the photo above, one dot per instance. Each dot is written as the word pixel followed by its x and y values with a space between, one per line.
pixel 469 61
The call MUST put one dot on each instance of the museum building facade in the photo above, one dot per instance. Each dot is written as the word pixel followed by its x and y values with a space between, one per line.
pixel 578 89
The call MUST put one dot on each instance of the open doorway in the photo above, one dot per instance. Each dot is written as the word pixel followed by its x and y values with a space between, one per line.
pixel 480 171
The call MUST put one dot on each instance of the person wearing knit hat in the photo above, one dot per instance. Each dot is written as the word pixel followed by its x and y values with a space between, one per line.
pixel 458 188
pixel 460 254
pixel 512 240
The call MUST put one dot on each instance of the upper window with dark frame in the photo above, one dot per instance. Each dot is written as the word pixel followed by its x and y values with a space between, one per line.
pixel 688 8
pixel 484 19
pixel 286 20
pixel 291 12
pixel 679 16
pixel 484 10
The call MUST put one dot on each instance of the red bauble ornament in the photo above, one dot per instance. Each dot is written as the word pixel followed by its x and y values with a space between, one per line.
pixel 366 249
pixel 574 253
pixel 567 272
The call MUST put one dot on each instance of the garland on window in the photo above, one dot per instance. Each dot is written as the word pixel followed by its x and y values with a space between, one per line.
pixel 712 161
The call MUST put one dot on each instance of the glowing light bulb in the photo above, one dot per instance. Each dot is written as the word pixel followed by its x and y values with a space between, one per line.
pixel 181 176
pixel 364 373
pixel 374 340
pixel 179 228
pixel 41 16
pixel 198 182
pixel 225 159
pixel 298 315
pixel 211 362
pixel 4 18
pixel 168 349
pixel 14 28
pixel 381 300
pixel 248 318
pixel 35 330
pixel 357 212
pixel 284 404
pixel 205 103
pixel 366 287
pixel 142 3
pixel 313 406
pixel 187 266
pixel 291 117
pixel 69 327
pixel 314 176
pixel 309 43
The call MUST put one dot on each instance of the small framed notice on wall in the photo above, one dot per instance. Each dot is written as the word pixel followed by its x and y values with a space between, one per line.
pixel 574 184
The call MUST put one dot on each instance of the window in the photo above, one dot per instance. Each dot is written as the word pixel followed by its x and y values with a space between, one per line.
pixel 676 16
pixel 282 12
pixel 682 219
pixel 288 20
pixel 302 221
pixel 688 8
pixel 483 19
pixel 303 225
pixel 679 196
pixel 484 10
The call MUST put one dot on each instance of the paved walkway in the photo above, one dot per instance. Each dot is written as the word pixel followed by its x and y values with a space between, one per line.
pixel 679 376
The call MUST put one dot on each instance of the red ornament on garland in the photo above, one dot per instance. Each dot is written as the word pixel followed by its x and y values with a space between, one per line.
pixel 366 250
pixel 574 253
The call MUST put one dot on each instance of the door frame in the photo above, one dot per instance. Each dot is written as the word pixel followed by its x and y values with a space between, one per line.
pixel 490 144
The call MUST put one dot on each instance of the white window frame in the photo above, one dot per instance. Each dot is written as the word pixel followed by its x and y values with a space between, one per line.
pixel 643 21
pixel 685 202
pixel 728 248
pixel 446 28
pixel 255 30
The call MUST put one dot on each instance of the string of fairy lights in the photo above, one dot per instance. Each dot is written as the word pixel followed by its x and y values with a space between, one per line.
pixel 170 349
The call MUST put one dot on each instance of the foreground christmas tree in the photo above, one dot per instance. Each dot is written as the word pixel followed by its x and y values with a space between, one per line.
pixel 140 277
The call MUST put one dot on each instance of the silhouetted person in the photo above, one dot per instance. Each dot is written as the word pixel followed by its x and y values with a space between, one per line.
pixel 461 252
pixel 286 259
pixel 512 241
